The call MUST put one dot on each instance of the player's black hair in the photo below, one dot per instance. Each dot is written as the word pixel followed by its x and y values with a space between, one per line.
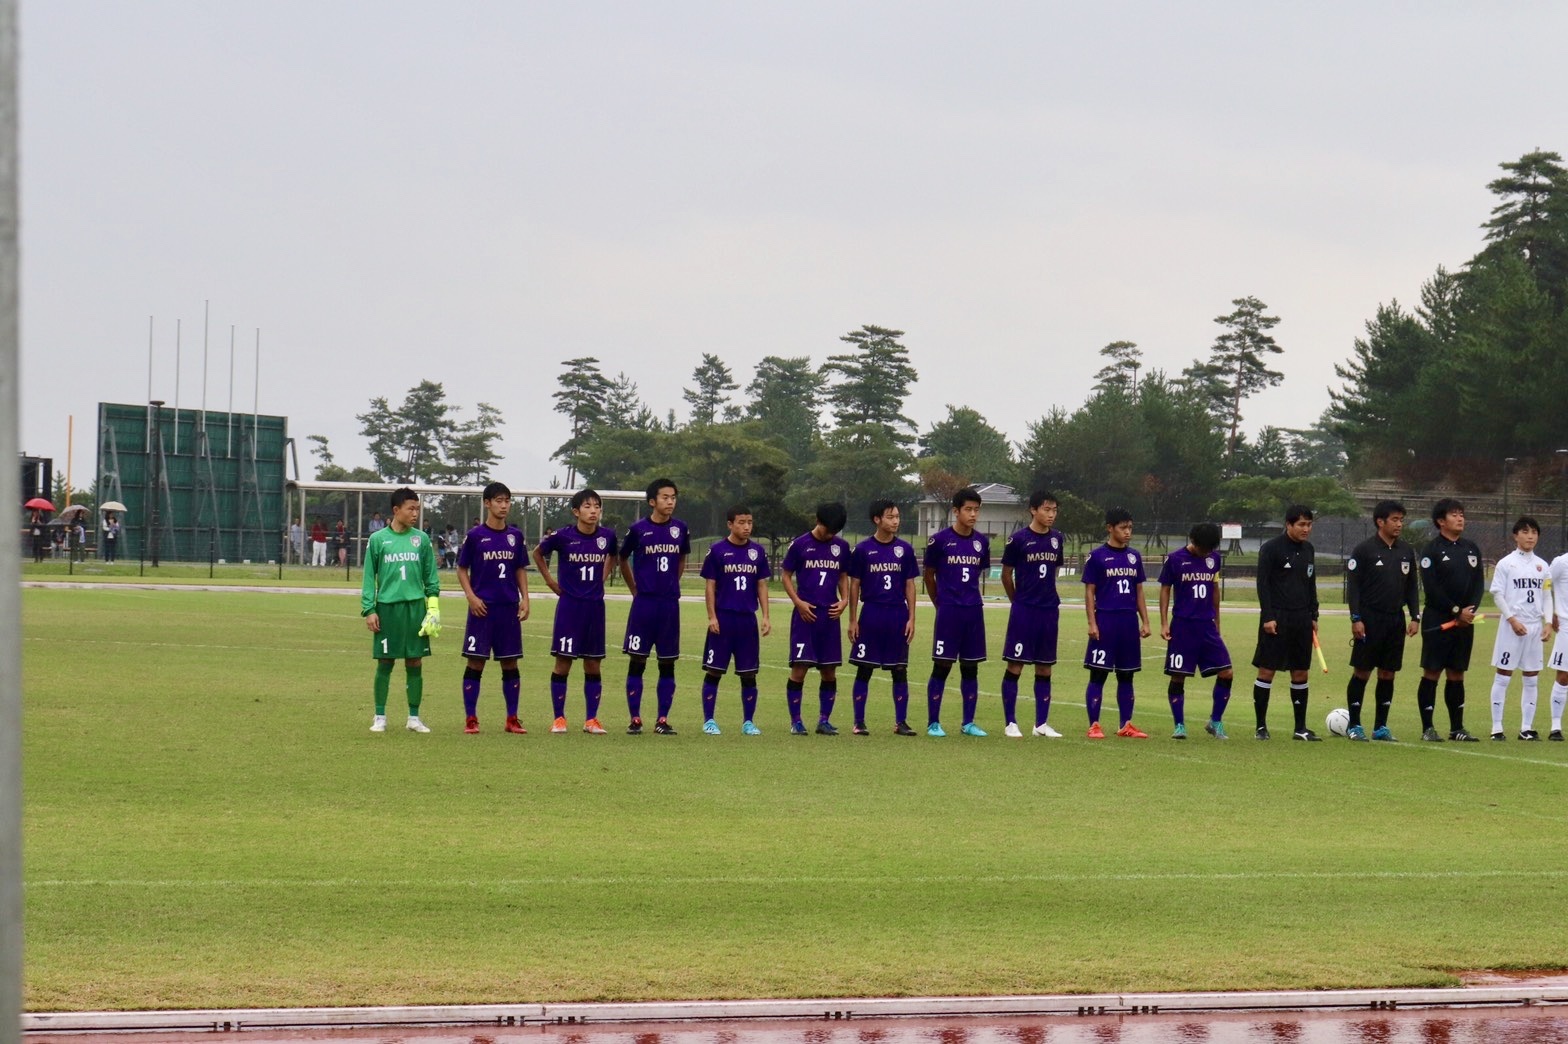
pixel 1384 508
pixel 1041 496
pixel 832 516
pixel 1296 512
pixel 1526 522
pixel 1205 536
pixel 497 489
pixel 967 495
pixel 399 495
pixel 1446 506
pixel 735 511
pixel 1117 515
pixel 582 496
pixel 880 507
pixel 658 484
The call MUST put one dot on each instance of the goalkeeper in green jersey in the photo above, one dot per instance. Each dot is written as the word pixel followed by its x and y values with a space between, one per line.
pixel 400 601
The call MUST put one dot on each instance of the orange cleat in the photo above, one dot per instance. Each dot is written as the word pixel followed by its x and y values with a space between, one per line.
pixel 1095 732
pixel 515 726
pixel 1131 731
pixel 559 726
pixel 592 727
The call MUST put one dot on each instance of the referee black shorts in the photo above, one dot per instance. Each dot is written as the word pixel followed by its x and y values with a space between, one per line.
pixel 1289 648
pixel 1447 650
pixel 1383 649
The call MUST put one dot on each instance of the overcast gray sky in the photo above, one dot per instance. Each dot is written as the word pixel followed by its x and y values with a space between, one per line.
pixel 473 192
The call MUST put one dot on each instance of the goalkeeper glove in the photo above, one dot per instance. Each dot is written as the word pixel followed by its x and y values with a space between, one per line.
pixel 431 628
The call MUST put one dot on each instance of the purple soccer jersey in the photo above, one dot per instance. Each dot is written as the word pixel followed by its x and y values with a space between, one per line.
pixel 492 558
pixel 882 570
pixel 582 559
pixel 655 551
pixel 1035 558
pixel 959 561
pixel 815 566
pixel 1115 574
pixel 735 570
pixel 1195 646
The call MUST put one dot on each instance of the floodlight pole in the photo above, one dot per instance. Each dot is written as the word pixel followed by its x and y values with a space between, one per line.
pixel 154 474
pixel 10 560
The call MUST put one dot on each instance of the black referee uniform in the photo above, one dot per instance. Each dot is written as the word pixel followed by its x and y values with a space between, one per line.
pixel 1381 586
pixel 1454 578
pixel 1288 597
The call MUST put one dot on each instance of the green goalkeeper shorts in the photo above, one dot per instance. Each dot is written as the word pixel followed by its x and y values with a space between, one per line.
pixel 399 638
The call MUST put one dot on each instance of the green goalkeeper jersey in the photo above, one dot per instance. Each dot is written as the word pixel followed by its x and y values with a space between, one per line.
pixel 399 567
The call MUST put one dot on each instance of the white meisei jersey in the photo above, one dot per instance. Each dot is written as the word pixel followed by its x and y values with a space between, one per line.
pixel 1558 572
pixel 1519 587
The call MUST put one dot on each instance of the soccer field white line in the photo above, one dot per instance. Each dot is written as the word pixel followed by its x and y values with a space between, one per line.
pixel 877 880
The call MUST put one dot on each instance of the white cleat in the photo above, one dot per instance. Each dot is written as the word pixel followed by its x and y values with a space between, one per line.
pixel 378 723
pixel 415 725
pixel 1047 732
pixel 1012 731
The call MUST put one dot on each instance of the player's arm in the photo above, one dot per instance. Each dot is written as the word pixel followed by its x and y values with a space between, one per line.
pixel 929 576
pixel 1502 594
pixel 680 569
pixel 1143 612
pixel 1312 588
pixel 837 608
pixel 854 607
pixel 1265 595
pixel 807 612
pixel 367 588
pixel 1358 630
pixel 476 604
pixel 541 561
pixel 1413 597
pixel 1088 608
pixel 626 573
pixel 912 599
pixel 1165 606
pixel 709 594
pixel 762 605
pixel 1472 597
pixel 1007 582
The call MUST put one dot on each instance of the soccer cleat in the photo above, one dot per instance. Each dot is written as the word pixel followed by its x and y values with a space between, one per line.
pixel 378 723
pixel 1556 735
pixel 1458 736
pixel 1131 731
pixel 1262 733
pixel 1217 730
pixel 826 728
pixel 415 725
pixel 471 726
pixel 860 729
pixel 1382 735
pixel 1013 731
pixel 1043 729
pixel 934 730
pixel 1357 733
pixel 797 728
pixel 593 728
pixel 903 729
pixel 710 727
pixel 1498 737
pixel 1433 736
pixel 1095 732
pixel 1307 736
pixel 559 725
pixel 1179 732
pixel 662 728
pixel 1529 735
pixel 969 728
pixel 515 727
pixel 748 729
pixel 635 728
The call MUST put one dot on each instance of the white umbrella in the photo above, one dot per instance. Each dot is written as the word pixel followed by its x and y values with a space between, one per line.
pixel 73 509
pixel 113 505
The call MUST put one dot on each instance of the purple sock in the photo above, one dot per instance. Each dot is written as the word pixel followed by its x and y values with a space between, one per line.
pixel 511 688
pixel 1221 699
pixel 793 694
pixel 1009 697
pixel 558 694
pixel 665 689
pixel 1093 696
pixel 1042 700
pixel 858 692
pixel 748 701
pixel 634 695
pixel 471 692
pixel 827 696
pixel 1177 694
pixel 1124 699
pixel 969 688
pixel 934 689
pixel 901 701
pixel 710 698
pixel 593 689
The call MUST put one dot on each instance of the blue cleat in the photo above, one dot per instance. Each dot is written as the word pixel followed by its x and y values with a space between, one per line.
pixel 826 728
pixel 797 728
pixel 748 729
pixel 1357 733
pixel 711 727
pixel 971 729
pixel 1179 732
pixel 1217 730
pixel 934 730
pixel 1382 735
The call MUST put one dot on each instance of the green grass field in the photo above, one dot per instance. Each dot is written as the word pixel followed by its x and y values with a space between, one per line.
pixel 208 823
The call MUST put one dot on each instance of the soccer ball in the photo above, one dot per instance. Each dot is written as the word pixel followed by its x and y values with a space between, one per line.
pixel 1338 721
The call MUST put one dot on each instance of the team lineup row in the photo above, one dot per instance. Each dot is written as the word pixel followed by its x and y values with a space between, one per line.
pixel 873 586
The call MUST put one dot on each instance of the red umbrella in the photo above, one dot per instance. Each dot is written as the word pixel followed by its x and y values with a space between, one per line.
pixel 38 504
